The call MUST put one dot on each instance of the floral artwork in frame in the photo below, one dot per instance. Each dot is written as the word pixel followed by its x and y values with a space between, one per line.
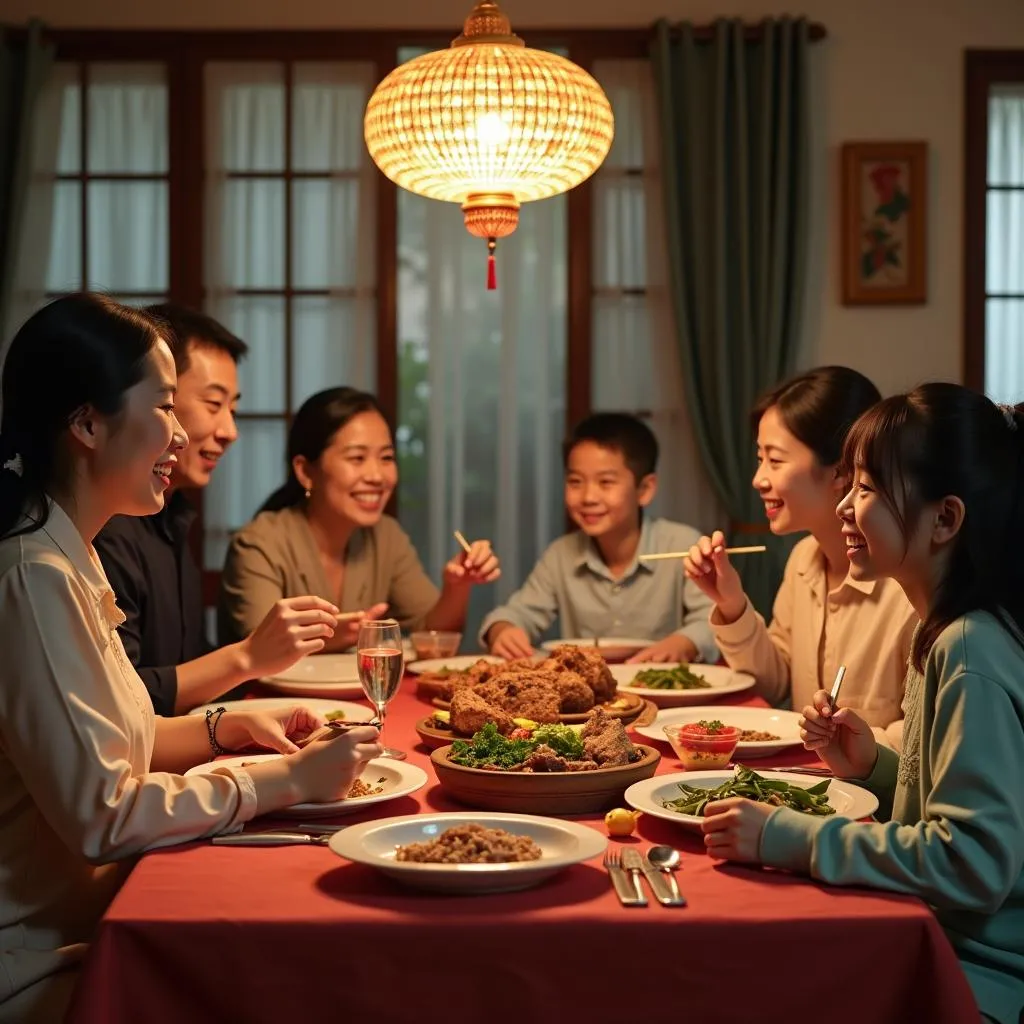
pixel 884 209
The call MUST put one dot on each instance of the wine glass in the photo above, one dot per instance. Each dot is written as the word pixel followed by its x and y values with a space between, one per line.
pixel 380 660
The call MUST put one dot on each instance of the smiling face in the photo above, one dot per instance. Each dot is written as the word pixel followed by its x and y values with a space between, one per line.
pixel 798 492
pixel 134 452
pixel 602 496
pixel 356 475
pixel 206 403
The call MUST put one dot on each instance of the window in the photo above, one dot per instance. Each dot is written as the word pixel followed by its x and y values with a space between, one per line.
pixel 110 227
pixel 228 171
pixel 994 229
pixel 289 267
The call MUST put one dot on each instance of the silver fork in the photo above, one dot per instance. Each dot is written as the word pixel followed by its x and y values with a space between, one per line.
pixel 629 896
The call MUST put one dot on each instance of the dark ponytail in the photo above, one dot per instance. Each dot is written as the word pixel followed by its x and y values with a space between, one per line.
pixel 321 416
pixel 80 350
pixel 943 439
pixel 819 407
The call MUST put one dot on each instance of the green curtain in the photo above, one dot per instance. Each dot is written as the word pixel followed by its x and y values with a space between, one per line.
pixel 25 63
pixel 734 121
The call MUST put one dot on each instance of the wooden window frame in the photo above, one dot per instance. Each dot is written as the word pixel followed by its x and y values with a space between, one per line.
pixel 982 70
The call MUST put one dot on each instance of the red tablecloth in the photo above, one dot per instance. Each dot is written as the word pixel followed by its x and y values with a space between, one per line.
pixel 205 933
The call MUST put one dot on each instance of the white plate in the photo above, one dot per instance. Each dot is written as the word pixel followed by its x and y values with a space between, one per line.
pixel 784 724
pixel 400 779
pixel 353 712
pixel 603 642
pixel 849 800
pixel 563 843
pixel 723 681
pixel 319 675
pixel 457 663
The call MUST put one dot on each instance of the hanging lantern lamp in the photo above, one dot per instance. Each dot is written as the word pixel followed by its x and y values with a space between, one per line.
pixel 488 123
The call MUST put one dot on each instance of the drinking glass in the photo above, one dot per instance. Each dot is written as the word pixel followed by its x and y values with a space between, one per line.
pixel 380 660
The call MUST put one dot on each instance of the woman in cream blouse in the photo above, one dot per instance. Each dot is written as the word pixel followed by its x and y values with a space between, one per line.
pixel 89 778
pixel 324 532
pixel 822 618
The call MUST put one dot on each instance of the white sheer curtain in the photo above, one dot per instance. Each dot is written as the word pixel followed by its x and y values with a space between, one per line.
pixel 1004 257
pixel 636 366
pixel 28 289
pixel 482 385
pixel 320 294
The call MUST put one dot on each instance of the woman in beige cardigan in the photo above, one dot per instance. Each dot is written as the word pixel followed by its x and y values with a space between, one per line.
pixel 89 777
pixel 325 532
pixel 822 617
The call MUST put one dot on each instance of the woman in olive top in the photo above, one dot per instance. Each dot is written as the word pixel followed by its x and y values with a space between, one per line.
pixel 325 532
pixel 822 615
pixel 937 505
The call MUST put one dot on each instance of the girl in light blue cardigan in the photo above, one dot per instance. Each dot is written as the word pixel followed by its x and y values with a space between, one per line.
pixel 938 505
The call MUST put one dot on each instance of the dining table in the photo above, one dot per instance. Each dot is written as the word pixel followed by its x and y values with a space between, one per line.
pixel 203 932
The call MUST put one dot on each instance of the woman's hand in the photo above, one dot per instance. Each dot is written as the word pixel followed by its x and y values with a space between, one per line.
pixel 843 740
pixel 709 567
pixel 477 565
pixel 325 769
pixel 733 828
pixel 275 730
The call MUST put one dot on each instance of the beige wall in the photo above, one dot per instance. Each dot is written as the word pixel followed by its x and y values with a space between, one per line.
pixel 890 69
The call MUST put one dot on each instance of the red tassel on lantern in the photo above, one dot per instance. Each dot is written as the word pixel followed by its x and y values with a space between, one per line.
pixel 492 273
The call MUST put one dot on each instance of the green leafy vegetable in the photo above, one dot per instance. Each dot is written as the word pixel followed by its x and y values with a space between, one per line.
pixel 749 784
pixel 562 739
pixel 489 747
pixel 678 678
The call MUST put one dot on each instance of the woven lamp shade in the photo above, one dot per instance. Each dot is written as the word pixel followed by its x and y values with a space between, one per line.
pixel 488 123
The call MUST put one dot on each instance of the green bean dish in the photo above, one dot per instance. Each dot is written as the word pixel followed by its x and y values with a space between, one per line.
pixel 678 678
pixel 749 784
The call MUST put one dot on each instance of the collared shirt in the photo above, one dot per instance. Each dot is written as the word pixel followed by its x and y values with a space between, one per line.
pixel 77 732
pixel 276 556
pixel 159 589
pixel 651 600
pixel 866 626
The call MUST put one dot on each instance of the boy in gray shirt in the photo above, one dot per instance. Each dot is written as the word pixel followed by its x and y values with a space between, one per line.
pixel 592 579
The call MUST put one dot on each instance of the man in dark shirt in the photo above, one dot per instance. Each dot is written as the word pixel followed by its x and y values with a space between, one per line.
pixel 150 565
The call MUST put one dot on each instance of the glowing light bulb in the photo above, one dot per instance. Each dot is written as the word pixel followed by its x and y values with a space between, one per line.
pixel 491 130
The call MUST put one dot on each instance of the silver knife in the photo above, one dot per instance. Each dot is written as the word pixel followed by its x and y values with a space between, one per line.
pixel 271 839
pixel 663 885
pixel 634 867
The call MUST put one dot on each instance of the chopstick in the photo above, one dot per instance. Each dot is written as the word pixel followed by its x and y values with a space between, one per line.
pixel 331 729
pixel 462 542
pixel 753 549
pixel 836 687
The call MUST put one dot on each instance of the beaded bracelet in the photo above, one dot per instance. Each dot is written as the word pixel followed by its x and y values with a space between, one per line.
pixel 212 718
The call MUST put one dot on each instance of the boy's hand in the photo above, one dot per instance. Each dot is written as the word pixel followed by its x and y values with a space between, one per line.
pixel 477 565
pixel 675 647
pixel 508 641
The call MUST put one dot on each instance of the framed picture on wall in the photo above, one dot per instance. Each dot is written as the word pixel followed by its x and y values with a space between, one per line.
pixel 884 229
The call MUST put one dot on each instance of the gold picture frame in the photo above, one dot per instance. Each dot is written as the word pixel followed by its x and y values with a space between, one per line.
pixel 884 227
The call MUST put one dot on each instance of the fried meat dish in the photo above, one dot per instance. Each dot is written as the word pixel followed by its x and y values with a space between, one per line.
pixel 471 712
pixel 605 740
pixel 587 663
pixel 522 696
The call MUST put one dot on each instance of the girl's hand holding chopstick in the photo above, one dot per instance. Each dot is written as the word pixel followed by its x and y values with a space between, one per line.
pixel 842 739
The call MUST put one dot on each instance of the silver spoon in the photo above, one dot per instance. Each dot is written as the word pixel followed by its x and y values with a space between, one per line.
pixel 666 859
